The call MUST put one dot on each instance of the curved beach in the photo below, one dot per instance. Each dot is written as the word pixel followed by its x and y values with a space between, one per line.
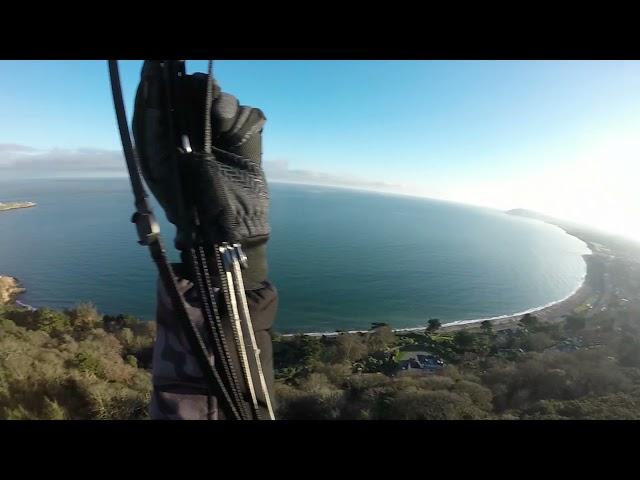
pixel 551 312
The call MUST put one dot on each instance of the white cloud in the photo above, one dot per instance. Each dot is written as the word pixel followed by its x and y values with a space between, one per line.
pixel 22 160
pixel 15 148
pixel 278 170
pixel 597 184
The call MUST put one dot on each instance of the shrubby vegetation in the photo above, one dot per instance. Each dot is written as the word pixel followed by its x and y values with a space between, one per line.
pixel 579 369
pixel 78 364
pixel 73 364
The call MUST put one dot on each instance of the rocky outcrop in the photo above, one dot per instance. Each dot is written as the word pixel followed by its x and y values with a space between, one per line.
pixel 9 289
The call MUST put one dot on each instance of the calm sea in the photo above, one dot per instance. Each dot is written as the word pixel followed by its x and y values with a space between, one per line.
pixel 341 259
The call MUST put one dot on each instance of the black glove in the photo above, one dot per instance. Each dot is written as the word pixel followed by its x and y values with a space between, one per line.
pixel 228 185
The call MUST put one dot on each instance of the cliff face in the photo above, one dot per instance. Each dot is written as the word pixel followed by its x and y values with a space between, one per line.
pixel 9 289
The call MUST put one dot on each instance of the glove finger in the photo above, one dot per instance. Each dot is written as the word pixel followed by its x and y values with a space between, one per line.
pixel 225 111
pixel 244 137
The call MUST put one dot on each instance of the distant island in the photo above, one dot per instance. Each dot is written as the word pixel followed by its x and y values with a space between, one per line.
pixel 14 205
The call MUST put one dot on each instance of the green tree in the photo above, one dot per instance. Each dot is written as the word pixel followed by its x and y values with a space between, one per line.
pixel 51 321
pixel 463 340
pixel 486 327
pixel 529 322
pixel 629 351
pixel 434 325
pixel 536 342
pixel 380 339
pixel 52 411
pixel 53 378
pixel 574 323
pixel 348 348
pixel 84 318
pixel 430 405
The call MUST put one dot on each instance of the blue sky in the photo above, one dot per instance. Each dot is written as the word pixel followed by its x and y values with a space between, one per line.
pixel 549 135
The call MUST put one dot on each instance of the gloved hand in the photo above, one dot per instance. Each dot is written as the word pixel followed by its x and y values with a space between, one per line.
pixel 228 185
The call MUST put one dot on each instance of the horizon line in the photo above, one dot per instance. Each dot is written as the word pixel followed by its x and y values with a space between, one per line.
pixel 358 188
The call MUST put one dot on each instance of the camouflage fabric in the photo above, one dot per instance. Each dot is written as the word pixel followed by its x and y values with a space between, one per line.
pixel 179 389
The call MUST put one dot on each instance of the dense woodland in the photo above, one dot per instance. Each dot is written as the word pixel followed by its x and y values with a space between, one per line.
pixel 77 364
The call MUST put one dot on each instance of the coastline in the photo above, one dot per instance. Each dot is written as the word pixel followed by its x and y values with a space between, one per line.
pixel 10 289
pixel 552 312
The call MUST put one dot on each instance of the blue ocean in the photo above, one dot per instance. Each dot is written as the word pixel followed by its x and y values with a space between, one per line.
pixel 341 259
